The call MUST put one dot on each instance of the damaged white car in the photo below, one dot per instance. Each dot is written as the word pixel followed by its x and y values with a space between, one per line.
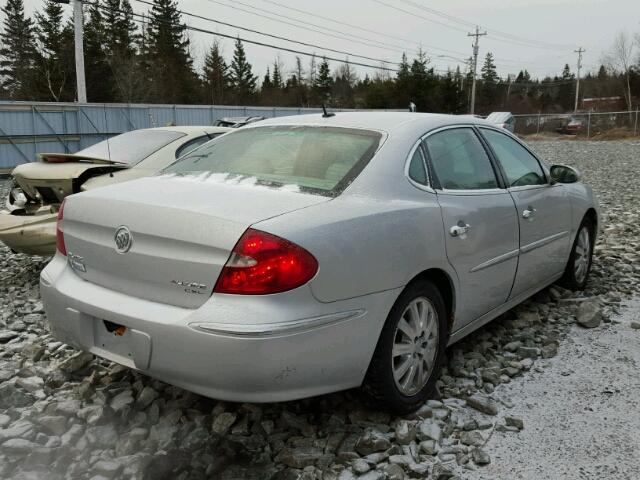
pixel 29 223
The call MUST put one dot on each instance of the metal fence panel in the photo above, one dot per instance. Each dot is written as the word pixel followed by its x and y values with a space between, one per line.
pixel 28 128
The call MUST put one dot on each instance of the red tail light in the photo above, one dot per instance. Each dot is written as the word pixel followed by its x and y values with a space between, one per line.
pixel 262 263
pixel 62 248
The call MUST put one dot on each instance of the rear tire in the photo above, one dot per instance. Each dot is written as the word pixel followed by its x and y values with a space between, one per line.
pixel 410 352
pixel 576 273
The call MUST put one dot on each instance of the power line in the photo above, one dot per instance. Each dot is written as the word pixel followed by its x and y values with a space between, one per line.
pixel 323 29
pixel 413 14
pixel 358 27
pixel 142 20
pixel 278 37
pixel 492 32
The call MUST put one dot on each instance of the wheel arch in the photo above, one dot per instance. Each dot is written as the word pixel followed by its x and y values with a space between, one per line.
pixel 592 215
pixel 443 281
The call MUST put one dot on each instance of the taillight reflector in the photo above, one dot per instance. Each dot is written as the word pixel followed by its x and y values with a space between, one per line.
pixel 60 246
pixel 262 263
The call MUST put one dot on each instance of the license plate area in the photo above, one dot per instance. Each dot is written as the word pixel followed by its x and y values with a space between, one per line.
pixel 121 344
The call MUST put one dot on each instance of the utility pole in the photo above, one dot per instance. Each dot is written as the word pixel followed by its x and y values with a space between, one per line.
pixel 477 35
pixel 510 78
pixel 580 51
pixel 78 21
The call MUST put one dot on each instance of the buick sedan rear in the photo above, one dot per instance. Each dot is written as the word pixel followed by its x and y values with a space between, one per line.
pixel 311 254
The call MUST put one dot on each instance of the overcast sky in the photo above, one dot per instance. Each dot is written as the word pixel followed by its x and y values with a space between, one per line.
pixel 539 35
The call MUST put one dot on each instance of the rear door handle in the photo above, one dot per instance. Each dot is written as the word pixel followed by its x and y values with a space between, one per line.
pixel 529 212
pixel 459 230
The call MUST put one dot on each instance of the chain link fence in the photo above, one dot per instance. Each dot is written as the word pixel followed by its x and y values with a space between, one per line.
pixel 585 125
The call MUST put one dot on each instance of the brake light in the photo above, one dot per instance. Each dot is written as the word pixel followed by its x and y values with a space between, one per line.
pixel 62 248
pixel 262 263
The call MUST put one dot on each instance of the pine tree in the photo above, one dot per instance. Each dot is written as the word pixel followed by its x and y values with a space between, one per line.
pixel 215 76
pixel 173 78
pixel 243 82
pixel 120 28
pixel 403 83
pixel 450 93
pixel 422 84
pixel 98 73
pixel 266 82
pixel 323 83
pixel 300 90
pixel 489 84
pixel 277 76
pixel 56 62
pixel 122 55
pixel 565 90
pixel 18 53
pixel 313 71
pixel 343 92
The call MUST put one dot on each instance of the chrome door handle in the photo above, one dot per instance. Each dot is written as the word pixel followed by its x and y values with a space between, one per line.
pixel 529 212
pixel 459 230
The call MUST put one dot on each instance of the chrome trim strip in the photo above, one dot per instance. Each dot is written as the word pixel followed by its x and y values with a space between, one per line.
pixel 279 328
pixel 543 242
pixel 494 261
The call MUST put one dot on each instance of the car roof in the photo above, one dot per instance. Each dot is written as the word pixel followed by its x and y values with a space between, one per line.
pixel 192 129
pixel 374 120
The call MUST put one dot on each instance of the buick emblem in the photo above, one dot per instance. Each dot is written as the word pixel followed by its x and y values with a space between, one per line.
pixel 123 239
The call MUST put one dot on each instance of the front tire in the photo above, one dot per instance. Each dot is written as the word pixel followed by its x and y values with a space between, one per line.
pixel 410 351
pixel 578 267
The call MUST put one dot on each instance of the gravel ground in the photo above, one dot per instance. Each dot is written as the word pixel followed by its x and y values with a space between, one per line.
pixel 513 403
pixel 576 409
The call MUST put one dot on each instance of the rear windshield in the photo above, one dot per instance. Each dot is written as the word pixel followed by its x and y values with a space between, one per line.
pixel 316 159
pixel 131 147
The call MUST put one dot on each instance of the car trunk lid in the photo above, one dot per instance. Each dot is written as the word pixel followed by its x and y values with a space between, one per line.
pixel 182 229
pixel 57 175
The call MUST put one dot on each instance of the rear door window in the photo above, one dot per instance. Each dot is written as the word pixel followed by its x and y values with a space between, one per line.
pixel 459 160
pixel 316 159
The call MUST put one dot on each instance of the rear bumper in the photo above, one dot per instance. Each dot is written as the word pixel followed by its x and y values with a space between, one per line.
pixel 30 234
pixel 245 349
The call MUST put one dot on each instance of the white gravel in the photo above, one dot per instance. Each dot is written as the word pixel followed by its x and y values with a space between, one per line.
pixel 581 412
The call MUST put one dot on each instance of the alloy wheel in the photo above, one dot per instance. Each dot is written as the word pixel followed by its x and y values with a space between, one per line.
pixel 582 255
pixel 415 346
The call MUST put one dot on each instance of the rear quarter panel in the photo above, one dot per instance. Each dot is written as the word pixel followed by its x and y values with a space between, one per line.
pixel 365 245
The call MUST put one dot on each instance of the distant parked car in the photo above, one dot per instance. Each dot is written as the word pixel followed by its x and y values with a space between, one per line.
pixel 38 188
pixel 305 255
pixel 505 120
pixel 236 122
pixel 573 126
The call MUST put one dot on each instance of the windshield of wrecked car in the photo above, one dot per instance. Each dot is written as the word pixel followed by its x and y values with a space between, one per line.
pixel 316 159
pixel 131 147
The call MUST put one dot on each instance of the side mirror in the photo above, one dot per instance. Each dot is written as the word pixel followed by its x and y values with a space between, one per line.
pixel 564 174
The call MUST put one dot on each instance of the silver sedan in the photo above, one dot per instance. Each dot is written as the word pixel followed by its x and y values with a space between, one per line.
pixel 311 254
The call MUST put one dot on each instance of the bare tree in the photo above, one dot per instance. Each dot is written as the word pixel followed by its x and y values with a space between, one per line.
pixel 620 58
